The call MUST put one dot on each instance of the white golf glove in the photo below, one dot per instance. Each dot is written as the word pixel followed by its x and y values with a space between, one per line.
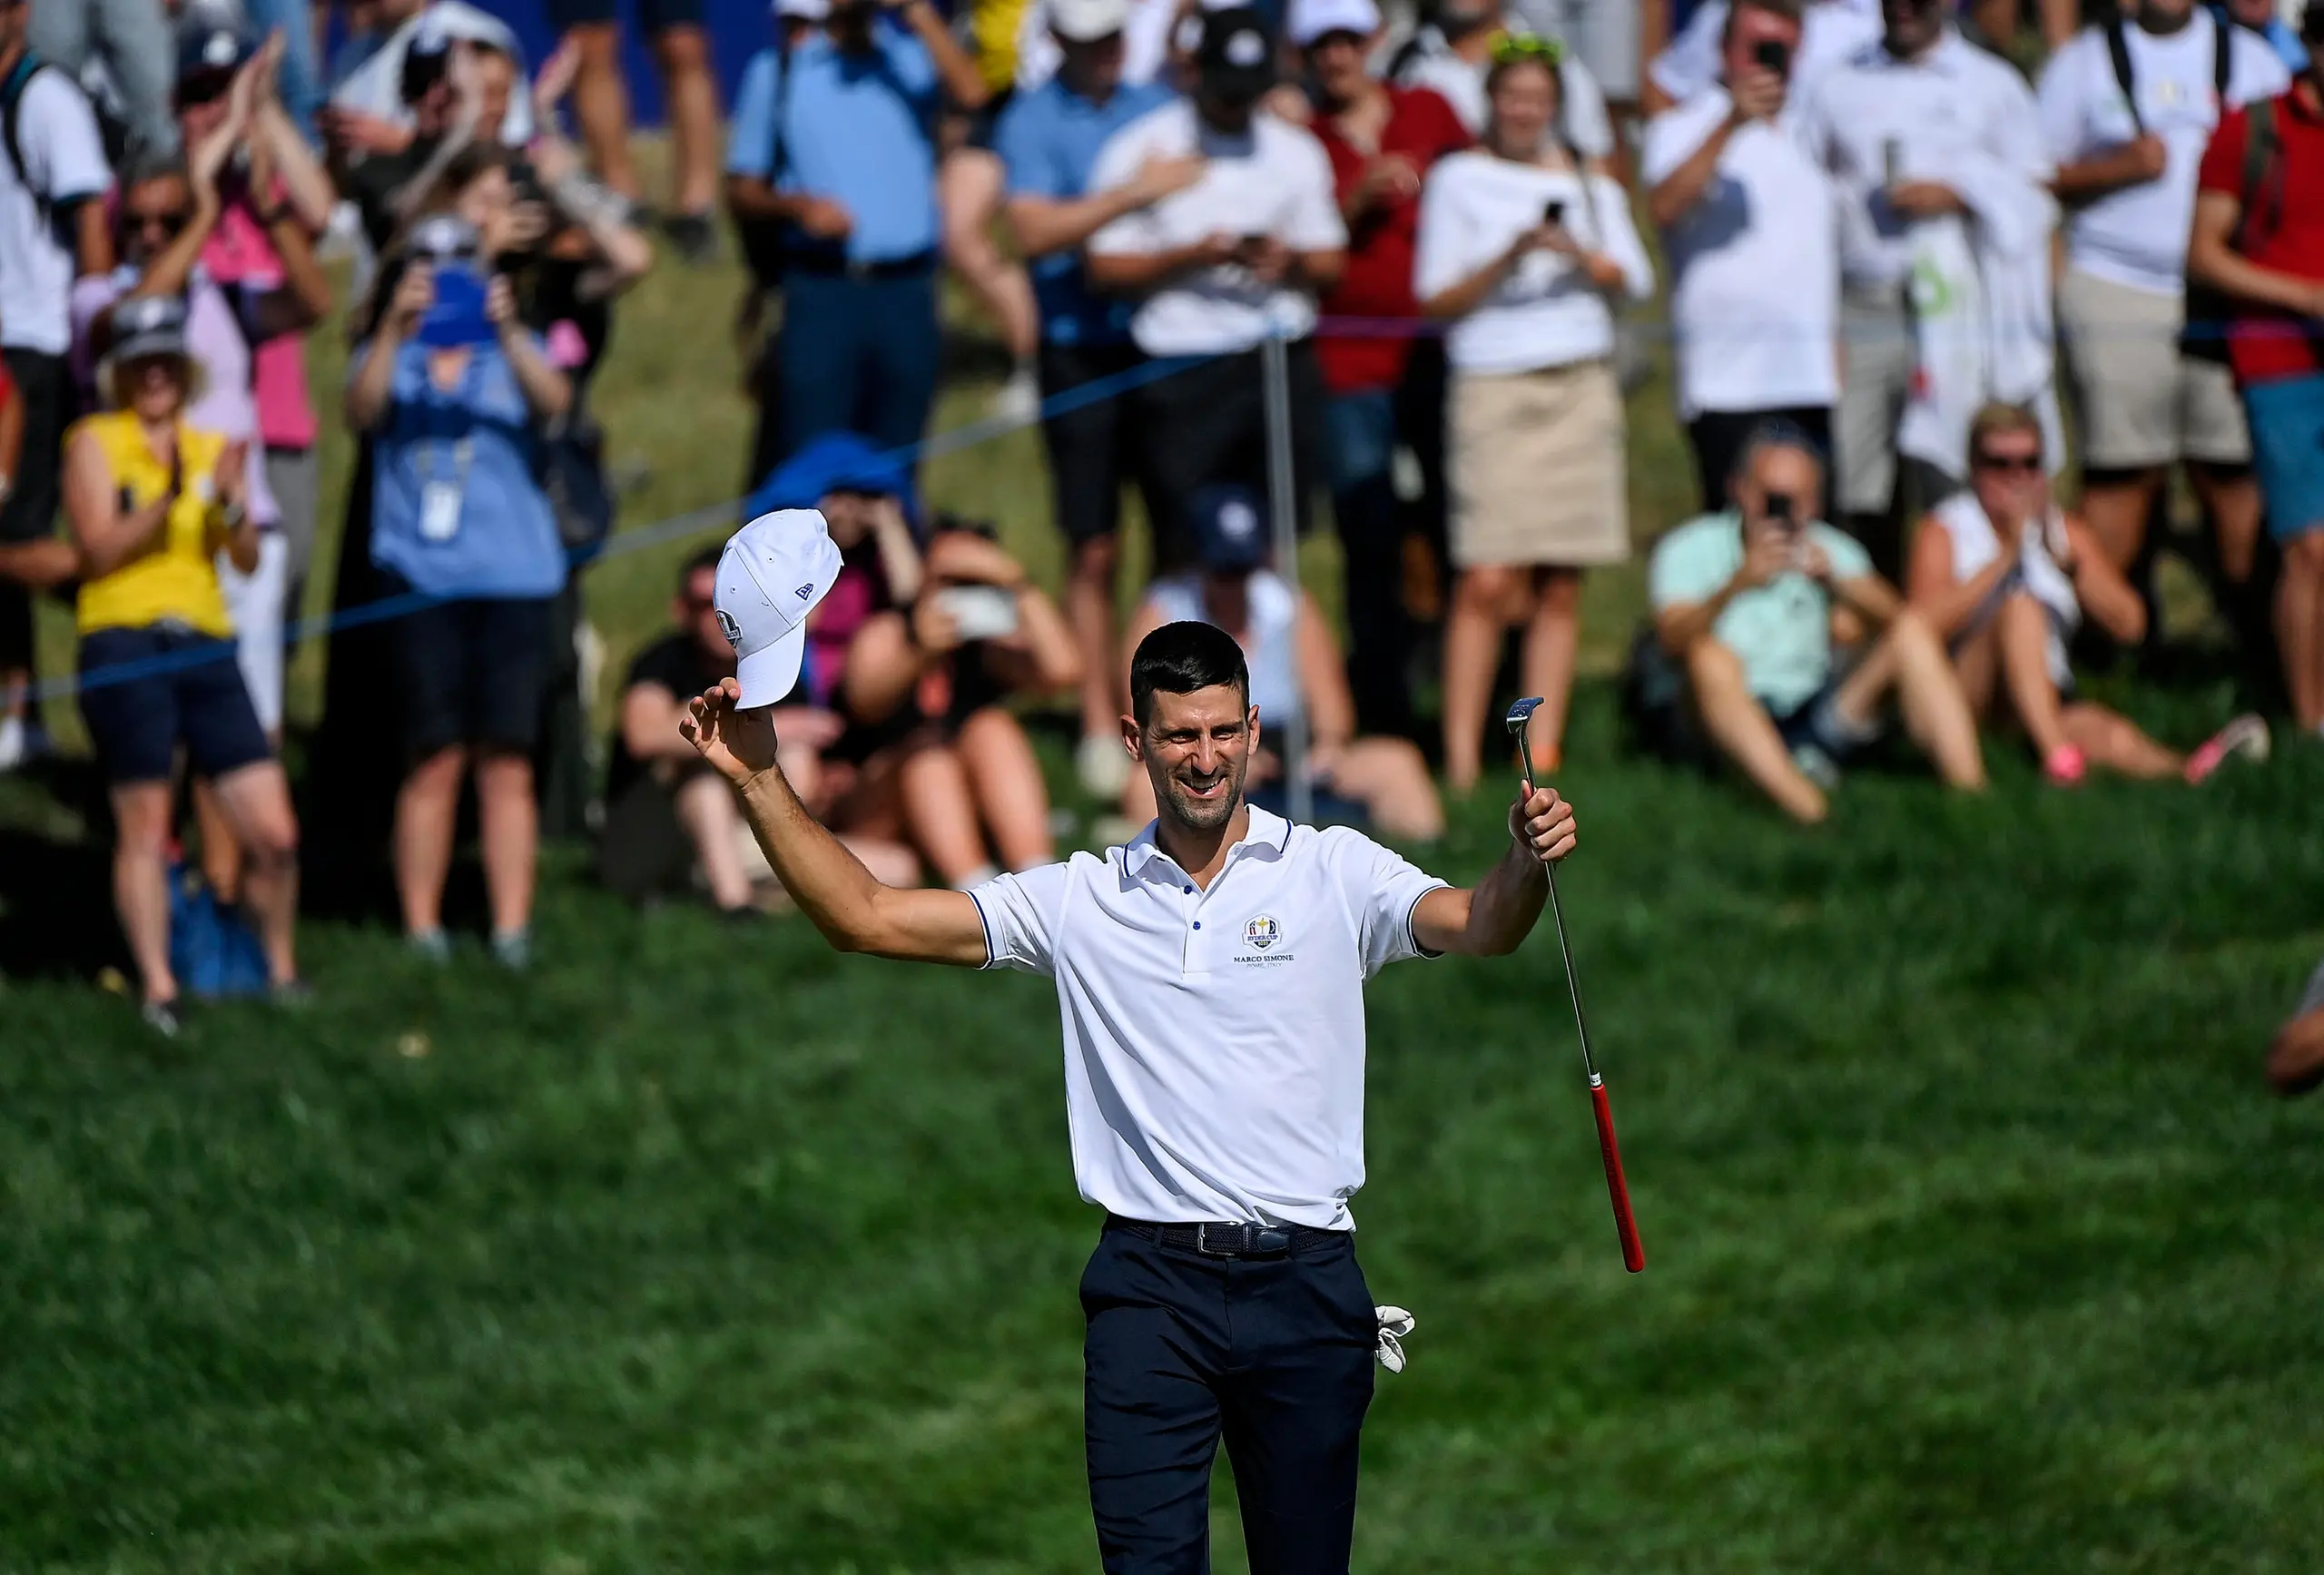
pixel 1395 1324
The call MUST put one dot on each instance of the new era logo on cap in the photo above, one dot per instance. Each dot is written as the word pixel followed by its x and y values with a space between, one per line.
pixel 768 628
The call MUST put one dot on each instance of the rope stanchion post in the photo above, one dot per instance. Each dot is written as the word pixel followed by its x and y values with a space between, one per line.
pixel 1284 501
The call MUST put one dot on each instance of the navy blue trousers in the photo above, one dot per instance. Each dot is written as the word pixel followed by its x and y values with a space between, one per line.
pixel 1273 1354
pixel 857 355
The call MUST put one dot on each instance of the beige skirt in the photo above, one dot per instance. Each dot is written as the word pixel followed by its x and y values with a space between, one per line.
pixel 1535 467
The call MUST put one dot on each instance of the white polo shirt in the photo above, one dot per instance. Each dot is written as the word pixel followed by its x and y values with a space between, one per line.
pixel 1213 1039
pixel 1272 180
pixel 1755 264
pixel 64 158
pixel 1956 99
pixel 2137 235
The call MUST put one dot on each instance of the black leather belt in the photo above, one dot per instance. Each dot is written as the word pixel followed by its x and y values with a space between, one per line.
pixel 829 267
pixel 1230 1241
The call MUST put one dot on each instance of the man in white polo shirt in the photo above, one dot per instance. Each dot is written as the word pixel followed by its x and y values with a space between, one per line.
pixel 2128 108
pixel 1210 975
pixel 1752 229
pixel 1893 125
pixel 1235 258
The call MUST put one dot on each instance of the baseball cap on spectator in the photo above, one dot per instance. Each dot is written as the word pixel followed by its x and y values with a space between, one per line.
pixel 428 57
pixel 803 10
pixel 1235 59
pixel 210 51
pixel 1314 19
pixel 831 462
pixel 1230 538
pixel 145 326
pixel 770 577
pixel 1087 20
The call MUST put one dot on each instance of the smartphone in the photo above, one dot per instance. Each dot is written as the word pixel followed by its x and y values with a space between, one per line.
pixel 1772 55
pixel 1553 212
pixel 979 612
pixel 1783 511
pixel 1892 161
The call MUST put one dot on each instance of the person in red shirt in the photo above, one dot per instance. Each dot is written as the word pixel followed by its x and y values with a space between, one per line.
pixel 1383 387
pixel 2259 239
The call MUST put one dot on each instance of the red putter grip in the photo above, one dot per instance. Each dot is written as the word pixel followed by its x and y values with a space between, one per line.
pixel 1633 1255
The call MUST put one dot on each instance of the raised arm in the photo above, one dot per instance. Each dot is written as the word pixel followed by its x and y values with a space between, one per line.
pixel 548 392
pixel 1492 916
pixel 855 911
pixel 963 83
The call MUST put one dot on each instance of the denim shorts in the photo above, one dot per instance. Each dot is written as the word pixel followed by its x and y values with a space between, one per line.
pixel 2288 452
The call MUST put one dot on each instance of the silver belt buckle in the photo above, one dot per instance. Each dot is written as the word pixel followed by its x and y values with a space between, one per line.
pixel 1202 1242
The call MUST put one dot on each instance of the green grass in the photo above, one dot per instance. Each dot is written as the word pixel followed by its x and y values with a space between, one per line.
pixel 1974 1243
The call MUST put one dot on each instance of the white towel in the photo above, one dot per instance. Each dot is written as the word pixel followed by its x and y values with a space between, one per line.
pixel 1981 311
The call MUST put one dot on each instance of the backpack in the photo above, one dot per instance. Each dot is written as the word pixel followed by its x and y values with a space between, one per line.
pixel 111 130
pixel 212 952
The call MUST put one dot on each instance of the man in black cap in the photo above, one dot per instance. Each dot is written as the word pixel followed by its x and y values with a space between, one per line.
pixel 1233 259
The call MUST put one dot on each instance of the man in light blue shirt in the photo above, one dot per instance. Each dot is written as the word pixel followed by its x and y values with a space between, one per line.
pixel 1746 602
pixel 835 139
pixel 1049 140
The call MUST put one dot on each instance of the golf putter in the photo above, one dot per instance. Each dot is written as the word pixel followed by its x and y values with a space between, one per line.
pixel 1520 720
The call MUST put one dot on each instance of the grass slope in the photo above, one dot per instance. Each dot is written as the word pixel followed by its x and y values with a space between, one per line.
pixel 1973 1242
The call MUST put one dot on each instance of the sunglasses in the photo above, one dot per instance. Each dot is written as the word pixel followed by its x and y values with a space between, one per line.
pixel 1512 47
pixel 2009 464
pixel 172 222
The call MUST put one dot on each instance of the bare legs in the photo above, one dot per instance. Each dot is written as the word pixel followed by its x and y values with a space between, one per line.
pixel 601 103
pixel 2300 607
pixel 1487 601
pixel 425 811
pixel 968 191
pixel 253 806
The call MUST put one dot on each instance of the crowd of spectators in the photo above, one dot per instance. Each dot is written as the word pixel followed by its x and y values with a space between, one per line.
pixel 1886 253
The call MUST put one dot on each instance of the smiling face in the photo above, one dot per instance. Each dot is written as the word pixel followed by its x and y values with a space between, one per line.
pixel 1524 106
pixel 1196 748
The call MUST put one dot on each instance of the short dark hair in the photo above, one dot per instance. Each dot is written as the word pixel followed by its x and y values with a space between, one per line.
pixel 707 559
pixel 1789 10
pixel 1180 658
pixel 1774 432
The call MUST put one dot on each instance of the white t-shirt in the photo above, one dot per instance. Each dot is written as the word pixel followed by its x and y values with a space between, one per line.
pixel 64 158
pixel 1830 31
pixel 1955 99
pixel 2137 235
pixel 1146 44
pixel 1544 312
pixel 1582 119
pixel 1755 265
pixel 1213 1039
pixel 1274 180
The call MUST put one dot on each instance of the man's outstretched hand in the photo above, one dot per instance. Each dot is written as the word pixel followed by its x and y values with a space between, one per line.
pixel 1543 824
pixel 738 744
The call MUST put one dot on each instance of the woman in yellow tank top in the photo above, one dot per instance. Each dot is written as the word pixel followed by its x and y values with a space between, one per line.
pixel 152 502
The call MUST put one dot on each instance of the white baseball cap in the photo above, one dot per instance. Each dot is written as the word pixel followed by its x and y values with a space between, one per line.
pixel 770 577
pixel 1312 19
pixel 803 10
pixel 1087 20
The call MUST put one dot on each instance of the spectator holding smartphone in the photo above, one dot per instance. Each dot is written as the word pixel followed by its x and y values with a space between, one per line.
pixel 453 389
pixel 155 502
pixel 2004 577
pixel 1521 251
pixel 1235 258
pixel 1746 602
pixel 1751 227
pixel 941 671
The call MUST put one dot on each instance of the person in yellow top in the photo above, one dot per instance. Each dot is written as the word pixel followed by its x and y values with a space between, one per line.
pixel 153 503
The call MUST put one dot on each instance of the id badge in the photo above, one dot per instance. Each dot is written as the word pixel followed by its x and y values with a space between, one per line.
pixel 439 512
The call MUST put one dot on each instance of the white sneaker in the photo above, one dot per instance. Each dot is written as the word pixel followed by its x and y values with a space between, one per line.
pixel 1019 399
pixel 1102 765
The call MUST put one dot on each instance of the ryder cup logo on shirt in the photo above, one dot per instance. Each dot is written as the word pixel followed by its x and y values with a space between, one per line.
pixel 1259 938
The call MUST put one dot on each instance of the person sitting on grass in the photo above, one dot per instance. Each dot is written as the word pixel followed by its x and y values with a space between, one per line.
pixel 2004 576
pixel 1296 673
pixel 2296 1058
pixel 1749 603
pixel 944 666
pixel 667 814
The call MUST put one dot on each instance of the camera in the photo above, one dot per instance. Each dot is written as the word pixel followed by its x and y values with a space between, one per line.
pixel 1553 212
pixel 1772 55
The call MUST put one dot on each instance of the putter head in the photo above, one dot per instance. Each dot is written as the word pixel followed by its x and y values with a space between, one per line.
pixel 1519 718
